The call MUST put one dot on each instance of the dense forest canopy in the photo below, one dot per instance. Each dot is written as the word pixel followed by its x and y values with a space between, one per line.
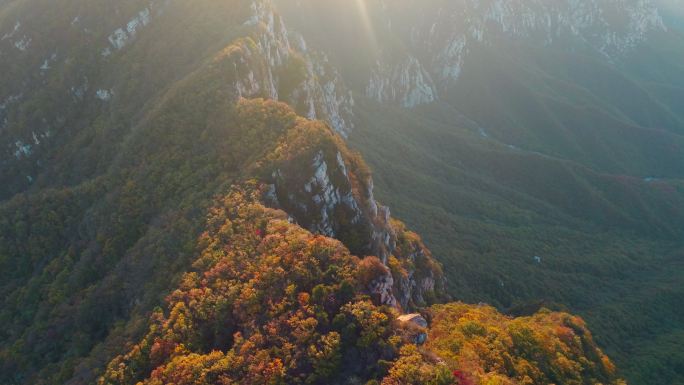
pixel 185 198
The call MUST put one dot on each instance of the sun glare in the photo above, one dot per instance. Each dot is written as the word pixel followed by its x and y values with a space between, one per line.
pixel 362 8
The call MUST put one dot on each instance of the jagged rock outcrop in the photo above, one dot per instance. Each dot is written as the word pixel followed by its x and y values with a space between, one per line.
pixel 291 72
pixel 406 83
pixel 328 190
pixel 382 289
pixel 609 26
pixel 129 54
pixel 439 37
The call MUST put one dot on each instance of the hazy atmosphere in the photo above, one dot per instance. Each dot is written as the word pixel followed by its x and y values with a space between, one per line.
pixel 342 192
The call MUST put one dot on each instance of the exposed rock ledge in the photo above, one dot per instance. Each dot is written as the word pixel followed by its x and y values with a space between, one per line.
pixel 330 192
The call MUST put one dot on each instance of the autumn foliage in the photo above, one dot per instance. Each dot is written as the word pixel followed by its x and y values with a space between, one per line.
pixel 268 302
pixel 484 346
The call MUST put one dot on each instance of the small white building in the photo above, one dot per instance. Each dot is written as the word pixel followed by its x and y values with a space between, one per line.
pixel 415 318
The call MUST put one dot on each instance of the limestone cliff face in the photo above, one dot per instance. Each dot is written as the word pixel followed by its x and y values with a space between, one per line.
pixel 407 83
pixel 291 72
pixel 425 43
pixel 329 191
pixel 440 37
pixel 130 53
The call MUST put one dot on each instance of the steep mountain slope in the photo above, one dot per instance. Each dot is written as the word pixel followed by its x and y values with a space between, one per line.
pixel 82 264
pixel 536 146
pixel 271 303
pixel 89 95
pixel 133 165
pixel 510 244
pixel 123 140
pixel 266 300
pixel 567 79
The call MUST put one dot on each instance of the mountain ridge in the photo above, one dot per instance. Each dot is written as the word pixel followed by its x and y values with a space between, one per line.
pixel 116 148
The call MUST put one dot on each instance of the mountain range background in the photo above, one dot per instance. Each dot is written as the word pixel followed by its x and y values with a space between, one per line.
pixel 535 146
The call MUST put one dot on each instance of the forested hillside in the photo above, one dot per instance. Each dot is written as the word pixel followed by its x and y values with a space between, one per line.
pixel 184 197
pixel 265 301
pixel 536 146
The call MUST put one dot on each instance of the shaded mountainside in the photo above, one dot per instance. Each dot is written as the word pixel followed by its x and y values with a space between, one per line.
pixel 84 265
pixel 271 303
pixel 80 85
pixel 523 245
pixel 536 146
pixel 164 219
pixel 266 300
pixel 597 81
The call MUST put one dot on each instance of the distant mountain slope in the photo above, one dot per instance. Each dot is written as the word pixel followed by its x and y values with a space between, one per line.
pixel 81 265
pixel 104 226
pixel 535 145
pixel 512 132
pixel 81 83
pixel 516 229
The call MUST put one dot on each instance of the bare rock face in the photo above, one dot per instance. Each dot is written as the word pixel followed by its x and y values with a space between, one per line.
pixel 328 193
pixel 290 71
pixel 407 83
pixel 382 288
pixel 438 36
pixel 431 39
pixel 319 195
pixel 419 276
